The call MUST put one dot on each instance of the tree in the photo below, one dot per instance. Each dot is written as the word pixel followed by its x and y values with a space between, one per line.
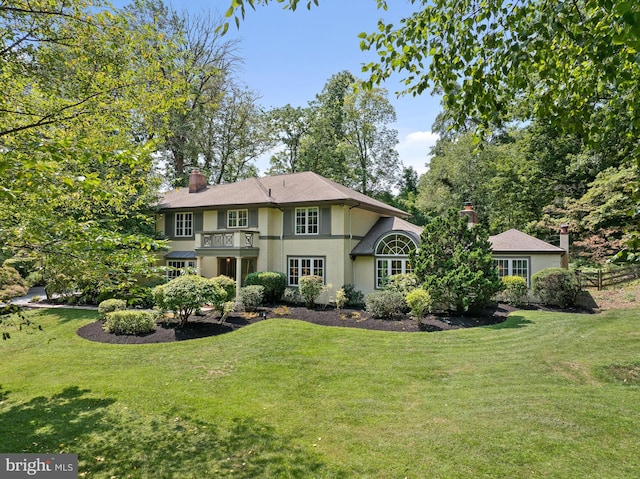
pixel 369 143
pixel 288 125
pixel 80 82
pixel 454 263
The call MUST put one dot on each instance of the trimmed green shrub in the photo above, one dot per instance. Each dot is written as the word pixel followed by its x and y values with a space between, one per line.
pixel 515 290
pixel 110 305
pixel 129 322
pixel 310 287
pixel 385 304
pixel 11 283
pixel 274 284
pixel 355 298
pixel 187 293
pixel 251 296
pixel 556 287
pixel 402 283
pixel 291 296
pixel 227 284
pixel 419 302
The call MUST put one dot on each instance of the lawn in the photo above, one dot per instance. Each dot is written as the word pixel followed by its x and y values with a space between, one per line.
pixel 543 395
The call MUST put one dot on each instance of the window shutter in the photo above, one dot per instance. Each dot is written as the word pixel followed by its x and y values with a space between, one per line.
pixel 325 220
pixel 169 225
pixel 288 221
pixel 222 219
pixel 253 218
pixel 198 222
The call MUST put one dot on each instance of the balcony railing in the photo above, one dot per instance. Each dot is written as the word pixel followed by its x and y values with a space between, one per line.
pixel 227 239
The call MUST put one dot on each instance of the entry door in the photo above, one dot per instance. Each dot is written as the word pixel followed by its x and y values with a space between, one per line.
pixel 227 266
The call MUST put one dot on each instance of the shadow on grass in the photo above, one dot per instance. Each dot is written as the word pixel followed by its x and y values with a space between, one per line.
pixel 512 322
pixel 112 441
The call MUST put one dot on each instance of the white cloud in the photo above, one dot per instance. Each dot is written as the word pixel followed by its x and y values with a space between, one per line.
pixel 414 149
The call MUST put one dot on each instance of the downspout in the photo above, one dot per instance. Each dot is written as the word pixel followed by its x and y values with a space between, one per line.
pixel 282 243
pixel 353 260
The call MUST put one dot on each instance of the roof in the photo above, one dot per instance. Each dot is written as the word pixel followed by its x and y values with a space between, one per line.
pixel 280 190
pixel 383 226
pixel 180 255
pixel 515 241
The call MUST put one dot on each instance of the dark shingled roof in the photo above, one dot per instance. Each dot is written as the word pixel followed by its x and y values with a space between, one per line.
pixel 292 189
pixel 383 226
pixel 180 255
pixel 515 241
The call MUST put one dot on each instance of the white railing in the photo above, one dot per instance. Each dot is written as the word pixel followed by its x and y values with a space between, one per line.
pixel 227 239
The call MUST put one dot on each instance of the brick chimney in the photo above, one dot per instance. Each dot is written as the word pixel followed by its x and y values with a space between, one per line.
pixel 468 211
pixel 564 244
pixel 197 181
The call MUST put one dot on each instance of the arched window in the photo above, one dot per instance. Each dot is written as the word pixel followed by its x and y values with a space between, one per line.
pixel 392 256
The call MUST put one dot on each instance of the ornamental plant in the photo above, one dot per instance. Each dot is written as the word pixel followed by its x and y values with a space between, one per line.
pixel 515 290
pixel 129 322
pixel 274 284
pixel 556 287
pixel 419 302
pixel 310 287
pixel 187 293
pixel 454 262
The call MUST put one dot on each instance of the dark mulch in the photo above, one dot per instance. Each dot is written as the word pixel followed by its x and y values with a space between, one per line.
pixel 204 326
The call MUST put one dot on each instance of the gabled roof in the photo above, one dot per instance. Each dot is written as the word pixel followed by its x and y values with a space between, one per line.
pixel 280 190
pixel 515 241
pixel 383 226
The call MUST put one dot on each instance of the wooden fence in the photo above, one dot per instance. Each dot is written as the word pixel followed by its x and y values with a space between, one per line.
pixel 600 278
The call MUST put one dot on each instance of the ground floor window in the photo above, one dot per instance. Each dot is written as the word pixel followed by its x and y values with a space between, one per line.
pixel 386 267
pixel 513 267
pixel 392 257
pixel 178 267
pixel 298 267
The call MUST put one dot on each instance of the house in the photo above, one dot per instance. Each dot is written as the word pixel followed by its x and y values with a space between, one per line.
pixel 299 224
pixel 304 224
pixel 518 254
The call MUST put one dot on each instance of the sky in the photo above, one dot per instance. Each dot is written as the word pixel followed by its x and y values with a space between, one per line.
pixel 289 56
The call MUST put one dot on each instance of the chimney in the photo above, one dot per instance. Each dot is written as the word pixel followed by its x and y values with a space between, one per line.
pixel 472 216
pixel 197 181
pixel 564 244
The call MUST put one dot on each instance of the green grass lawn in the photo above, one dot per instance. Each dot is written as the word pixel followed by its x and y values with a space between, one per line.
pixel 544 395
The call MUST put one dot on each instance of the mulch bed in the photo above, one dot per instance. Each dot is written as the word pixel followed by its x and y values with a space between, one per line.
pixel 204 326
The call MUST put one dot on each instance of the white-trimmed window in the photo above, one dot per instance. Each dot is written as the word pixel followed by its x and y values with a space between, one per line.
pixel 307 221
pixel 513 267
pixel 177 267
pixel 184 224
pixel 299 267
pixel 392 257
pixel 237 218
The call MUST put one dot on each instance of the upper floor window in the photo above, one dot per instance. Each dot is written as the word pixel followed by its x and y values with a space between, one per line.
pixel 307 221
pixel 184 224
pixel 237 218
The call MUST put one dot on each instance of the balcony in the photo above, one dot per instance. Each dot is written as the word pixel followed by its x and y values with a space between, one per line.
pixel 227 239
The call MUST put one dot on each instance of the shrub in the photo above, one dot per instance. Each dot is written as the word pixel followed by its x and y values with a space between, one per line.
pixel 341 299
pixel 251 296
pixel 556 287
pixel 274 284
pixel 355 298
pixel 419 302
pixel 11 283
pixel 291 296
pixel 227 284
pixel 187 293
pixel 129 322
pixel 310 287
pixel 111 305
pixel 402 283
pixel 515 290
pixel 385 304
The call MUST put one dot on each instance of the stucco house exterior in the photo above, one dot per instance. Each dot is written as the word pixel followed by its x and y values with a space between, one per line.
pixel 299 224
pixel 519 254
pixel 302 224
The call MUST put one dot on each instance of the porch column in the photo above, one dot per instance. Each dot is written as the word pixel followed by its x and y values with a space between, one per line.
pixel 238 274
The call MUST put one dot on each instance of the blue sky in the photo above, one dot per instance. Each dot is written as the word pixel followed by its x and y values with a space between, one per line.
pixel 289 56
